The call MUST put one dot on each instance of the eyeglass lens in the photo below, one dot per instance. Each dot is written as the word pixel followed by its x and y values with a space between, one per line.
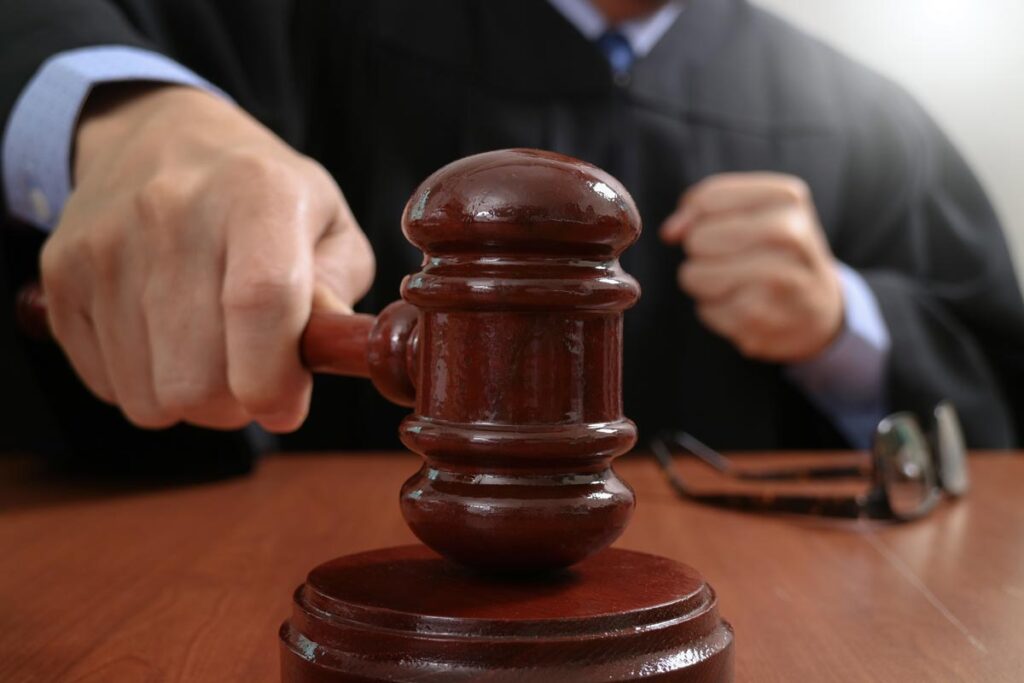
pixel 951 451
pixel 903 466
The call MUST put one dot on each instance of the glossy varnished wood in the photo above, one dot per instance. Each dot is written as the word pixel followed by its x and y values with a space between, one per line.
pixel 407 614
pixel 106 583
pixel 518 409
pixel 508 347
pixel 514 357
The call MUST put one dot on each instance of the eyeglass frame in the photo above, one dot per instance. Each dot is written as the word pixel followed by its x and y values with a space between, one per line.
pixel 899 450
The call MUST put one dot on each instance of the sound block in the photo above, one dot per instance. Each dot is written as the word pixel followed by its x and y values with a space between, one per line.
pixel 406 614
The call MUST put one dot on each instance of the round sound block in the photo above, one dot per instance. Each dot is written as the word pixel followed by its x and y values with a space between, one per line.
pixel 406 614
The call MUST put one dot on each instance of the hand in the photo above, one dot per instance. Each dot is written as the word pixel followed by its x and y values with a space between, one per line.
pixel 758 265
pixel 188 259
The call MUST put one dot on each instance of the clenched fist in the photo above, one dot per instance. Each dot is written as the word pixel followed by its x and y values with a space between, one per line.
pixel 758 265
pixel 187 261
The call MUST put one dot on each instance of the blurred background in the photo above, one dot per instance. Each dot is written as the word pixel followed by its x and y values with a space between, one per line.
pixel 963 60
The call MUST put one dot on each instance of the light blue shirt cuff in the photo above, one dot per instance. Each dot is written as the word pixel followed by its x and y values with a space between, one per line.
pixel 847 381
pixel 38 140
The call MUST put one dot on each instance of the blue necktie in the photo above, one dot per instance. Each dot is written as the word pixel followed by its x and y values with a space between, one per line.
pixel 618 51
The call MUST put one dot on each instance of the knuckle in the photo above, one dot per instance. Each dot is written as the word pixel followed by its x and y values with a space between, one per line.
pixel 160 199
pixel 317 172
pixel 260 184
pixel 791 231
pixel 53 272
pixel 190 394
pixel 51 259
pixel 796 188
pixel 264 290
pixel 256 170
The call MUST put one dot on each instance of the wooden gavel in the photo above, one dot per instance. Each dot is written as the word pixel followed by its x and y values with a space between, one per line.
pixel 509 348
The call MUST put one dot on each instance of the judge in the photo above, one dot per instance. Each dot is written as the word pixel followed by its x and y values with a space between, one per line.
pixel 193 179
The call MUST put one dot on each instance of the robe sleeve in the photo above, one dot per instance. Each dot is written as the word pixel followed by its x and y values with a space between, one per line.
pixel 919 228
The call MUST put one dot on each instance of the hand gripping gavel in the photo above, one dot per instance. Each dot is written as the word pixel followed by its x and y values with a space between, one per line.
pixel 509 347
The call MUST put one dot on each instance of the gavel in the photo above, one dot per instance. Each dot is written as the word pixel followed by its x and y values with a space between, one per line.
pixel 508 347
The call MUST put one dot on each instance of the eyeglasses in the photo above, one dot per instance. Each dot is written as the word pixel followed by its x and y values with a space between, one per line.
pixel 908 472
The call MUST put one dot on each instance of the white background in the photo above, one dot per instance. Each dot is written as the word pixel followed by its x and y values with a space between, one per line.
pixel 963 59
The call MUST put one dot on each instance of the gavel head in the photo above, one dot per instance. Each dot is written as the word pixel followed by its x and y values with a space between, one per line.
pixel 518 409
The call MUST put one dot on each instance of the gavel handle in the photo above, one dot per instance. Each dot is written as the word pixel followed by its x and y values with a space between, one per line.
pixel 353 345
pixel 335 343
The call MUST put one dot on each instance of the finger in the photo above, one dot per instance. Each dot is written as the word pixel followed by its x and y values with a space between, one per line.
pixel 675 226
pixel 344 264
pixel 746 319
pixel 266 298
pixel 67 293
pixel 783 228
pixel 185 323
pixel 728 192
pixel 120 326
pixel 77 337
pixel 715 278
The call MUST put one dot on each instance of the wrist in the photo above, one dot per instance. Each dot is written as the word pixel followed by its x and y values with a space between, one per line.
pixel 115 112
pixel 834 316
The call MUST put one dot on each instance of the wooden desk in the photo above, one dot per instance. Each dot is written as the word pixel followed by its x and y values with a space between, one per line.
pixel 100 583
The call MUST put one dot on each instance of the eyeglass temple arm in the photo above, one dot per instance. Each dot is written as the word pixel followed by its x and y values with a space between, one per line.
pixel 847 507
pixel 823 506
pixel 703 452
pixel 799 473
pixel 721 463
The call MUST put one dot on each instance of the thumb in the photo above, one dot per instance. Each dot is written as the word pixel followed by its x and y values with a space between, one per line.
pixel 324 299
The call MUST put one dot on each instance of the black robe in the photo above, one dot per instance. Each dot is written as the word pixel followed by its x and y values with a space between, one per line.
pixel 385 92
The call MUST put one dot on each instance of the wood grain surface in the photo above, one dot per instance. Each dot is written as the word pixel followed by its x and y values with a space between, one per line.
pixel 109 583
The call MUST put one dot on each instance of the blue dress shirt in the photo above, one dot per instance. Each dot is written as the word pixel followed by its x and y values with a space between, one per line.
pixel 846 381
pixel 37 143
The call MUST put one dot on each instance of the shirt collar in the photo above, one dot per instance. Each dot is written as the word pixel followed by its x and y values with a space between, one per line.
pixel 643 33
